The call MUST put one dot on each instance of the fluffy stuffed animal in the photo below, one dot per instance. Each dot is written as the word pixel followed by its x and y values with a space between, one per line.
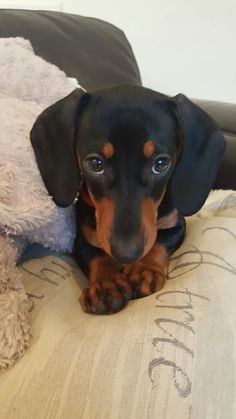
pixel 28 84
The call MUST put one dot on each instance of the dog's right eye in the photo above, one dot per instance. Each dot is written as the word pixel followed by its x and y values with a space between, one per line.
pixel 95 165
pixel 161 164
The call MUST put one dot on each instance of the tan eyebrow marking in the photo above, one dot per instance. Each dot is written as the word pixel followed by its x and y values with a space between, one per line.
pixel 108 150
pixel 148 148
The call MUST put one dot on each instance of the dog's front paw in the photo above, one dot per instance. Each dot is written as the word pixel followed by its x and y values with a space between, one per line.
pixel 144 278
pixel 106 296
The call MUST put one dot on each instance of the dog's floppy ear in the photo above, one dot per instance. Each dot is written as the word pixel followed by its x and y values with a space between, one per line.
pixel 53 141
pixel 203 148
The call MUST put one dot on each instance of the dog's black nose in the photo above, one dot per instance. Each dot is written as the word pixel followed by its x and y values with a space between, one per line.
pixel 127 252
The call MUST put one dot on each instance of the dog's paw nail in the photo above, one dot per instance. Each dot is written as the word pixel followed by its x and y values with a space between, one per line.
pixel 125 289
pixel 85 302
pixel 116 304
pixel 101 307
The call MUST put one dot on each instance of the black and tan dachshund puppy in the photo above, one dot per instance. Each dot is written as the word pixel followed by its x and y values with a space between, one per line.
pixel 141 161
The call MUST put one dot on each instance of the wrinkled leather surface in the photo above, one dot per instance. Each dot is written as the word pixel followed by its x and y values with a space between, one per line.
pixel 225 116
pixel 93 51
pixel 223 113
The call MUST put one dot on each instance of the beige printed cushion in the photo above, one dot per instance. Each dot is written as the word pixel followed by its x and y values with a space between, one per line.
pixel 170 355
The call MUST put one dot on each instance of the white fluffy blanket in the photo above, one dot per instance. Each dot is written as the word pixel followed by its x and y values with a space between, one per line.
pixel 28 85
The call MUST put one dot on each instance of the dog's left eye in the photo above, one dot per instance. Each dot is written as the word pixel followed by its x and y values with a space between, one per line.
pixel 161 164
pixel 95 164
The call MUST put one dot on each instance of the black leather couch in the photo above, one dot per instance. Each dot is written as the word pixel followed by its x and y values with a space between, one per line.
pixel 98 54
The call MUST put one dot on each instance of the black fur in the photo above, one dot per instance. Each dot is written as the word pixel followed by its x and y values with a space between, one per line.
pixel 127 116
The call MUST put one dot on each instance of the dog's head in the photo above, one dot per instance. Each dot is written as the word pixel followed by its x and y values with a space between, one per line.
pixel 131 145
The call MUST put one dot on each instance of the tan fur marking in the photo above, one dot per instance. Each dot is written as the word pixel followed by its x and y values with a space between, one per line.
pixel 90 235
pixel 103 268
pixel 157 256
pixel 149 222
pixel 168 221
pixel 148 148
pixel 150 267
pixel 104 213
pixel 108 150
